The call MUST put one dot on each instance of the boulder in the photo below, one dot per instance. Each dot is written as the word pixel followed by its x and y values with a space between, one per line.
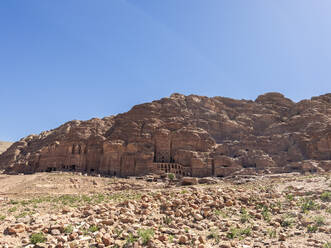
pixel 189 181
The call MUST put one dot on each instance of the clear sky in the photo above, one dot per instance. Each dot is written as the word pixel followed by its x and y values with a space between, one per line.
pixel 77 59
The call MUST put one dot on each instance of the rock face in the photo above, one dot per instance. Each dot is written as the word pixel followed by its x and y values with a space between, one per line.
pixel 189 136
pixel 4 146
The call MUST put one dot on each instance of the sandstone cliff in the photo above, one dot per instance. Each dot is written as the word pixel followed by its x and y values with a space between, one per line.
pixel 4 146
pixel 187 135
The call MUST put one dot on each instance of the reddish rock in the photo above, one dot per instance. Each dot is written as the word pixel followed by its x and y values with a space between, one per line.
pixel 182 239
pixel 13 230
pixel 187 136
pixel 107 240
pixel 189 181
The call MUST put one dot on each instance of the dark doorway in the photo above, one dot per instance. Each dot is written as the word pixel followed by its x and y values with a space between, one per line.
pixel 249 165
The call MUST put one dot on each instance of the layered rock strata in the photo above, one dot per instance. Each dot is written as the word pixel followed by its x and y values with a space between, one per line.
pixel 188 136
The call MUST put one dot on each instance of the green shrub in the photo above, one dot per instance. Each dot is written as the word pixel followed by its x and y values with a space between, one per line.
pixel 13 209
pixel 167 220
pixel 233 233
pixel 21 215
pixel 272 233
pixel 171 176
pixel 247 231
pixel 37 238
pixel 68 229
pixel 118 232
pixel 145 235
pixel 327 245
pixel 24 203
pixel 266 213
pixel 238 233
pixel 244 215
pixel 214 234
pixel 307 205
pixel 131 239
pixel 290 197
pixel 319 221
pixel 326 196
pixel 311 228
pixel 218 212
pixel 93 228
pixel 286 222
pixel 278 205
pixel 13 202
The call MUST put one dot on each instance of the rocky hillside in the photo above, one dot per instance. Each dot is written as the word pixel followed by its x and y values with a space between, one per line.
pixel 187 135
pixel 4 146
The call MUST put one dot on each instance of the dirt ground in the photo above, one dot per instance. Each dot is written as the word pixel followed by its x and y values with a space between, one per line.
pixel 73 210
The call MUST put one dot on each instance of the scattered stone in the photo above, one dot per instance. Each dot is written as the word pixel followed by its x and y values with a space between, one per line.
pixel 189 181
pixel 199 215
pixel 182 240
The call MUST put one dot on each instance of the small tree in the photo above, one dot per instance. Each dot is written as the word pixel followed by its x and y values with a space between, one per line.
pixel 171 176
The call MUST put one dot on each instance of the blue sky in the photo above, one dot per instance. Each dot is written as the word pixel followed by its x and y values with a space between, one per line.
pixel 77 59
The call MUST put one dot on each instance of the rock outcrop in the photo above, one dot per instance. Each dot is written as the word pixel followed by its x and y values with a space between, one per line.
pixel 188 136
pixel 4 146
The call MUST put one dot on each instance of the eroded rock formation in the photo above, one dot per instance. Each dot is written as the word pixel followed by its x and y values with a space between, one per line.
pixel 189 136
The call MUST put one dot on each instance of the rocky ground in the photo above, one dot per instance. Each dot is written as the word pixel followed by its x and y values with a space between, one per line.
pixel 72 210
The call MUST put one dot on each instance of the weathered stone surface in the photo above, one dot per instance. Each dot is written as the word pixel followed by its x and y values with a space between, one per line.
pixel 188 136
pixel 189 181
